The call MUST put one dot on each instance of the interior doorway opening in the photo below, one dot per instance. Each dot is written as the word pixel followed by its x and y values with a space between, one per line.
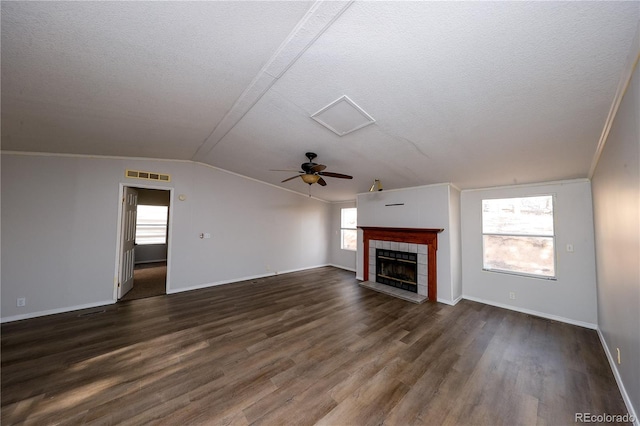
pixel 144 243
pixel 149 279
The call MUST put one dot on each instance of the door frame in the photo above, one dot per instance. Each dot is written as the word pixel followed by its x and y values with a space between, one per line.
pixel 119 253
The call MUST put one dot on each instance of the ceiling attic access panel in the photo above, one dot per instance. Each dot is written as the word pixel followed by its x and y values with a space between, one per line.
pixel 343 116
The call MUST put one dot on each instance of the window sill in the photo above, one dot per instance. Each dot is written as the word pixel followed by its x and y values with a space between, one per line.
pixel 521 274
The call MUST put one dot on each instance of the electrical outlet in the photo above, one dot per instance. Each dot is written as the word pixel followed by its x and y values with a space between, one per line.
pixel 22 301
pixel 569 248
pixel 512 295
pixel 268 268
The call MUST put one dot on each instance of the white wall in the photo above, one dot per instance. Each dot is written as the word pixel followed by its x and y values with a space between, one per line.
pixel 616 194
pixel 59 229
pixel 424 207
pixel 455 237
pixel 345 259
pixel 570 298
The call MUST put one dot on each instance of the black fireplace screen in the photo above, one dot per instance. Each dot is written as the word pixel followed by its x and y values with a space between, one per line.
pixel 398 269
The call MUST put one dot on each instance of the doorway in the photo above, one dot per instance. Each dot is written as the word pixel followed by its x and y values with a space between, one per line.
pixel 143 243
pixel 149 279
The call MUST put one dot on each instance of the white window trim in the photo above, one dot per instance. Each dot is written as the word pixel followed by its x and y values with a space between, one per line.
pixel 166 228
pixel 355 228
pixel 553 237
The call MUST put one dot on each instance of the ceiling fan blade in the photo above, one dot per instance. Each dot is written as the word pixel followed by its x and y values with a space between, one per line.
pixel 288 179
pixel 335 175
pixel 311 172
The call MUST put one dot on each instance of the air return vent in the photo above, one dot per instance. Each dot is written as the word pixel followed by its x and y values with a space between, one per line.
pixel 137 174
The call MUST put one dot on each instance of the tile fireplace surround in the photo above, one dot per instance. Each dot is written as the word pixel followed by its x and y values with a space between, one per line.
pixel 419 249
pixel 422 241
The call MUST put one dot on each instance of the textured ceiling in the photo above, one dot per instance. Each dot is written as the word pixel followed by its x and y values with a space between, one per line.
pixel 473 93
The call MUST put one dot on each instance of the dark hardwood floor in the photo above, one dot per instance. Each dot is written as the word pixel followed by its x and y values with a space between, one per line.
pixel 301 348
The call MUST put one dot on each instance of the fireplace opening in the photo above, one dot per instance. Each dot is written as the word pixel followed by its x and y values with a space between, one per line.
pixel 397 269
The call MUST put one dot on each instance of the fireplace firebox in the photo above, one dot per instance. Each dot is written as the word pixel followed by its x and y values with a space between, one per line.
pixel 397 269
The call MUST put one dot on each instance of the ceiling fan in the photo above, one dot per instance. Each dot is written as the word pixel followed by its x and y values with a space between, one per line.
pixel 312 172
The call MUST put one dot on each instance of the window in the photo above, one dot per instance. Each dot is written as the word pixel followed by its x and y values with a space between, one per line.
pixel 518 236
pixel 151 225
pixel 348 230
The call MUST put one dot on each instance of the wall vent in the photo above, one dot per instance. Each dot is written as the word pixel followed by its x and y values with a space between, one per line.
pixel 137 174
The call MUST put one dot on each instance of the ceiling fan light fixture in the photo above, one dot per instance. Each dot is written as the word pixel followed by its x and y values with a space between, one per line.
pixel 310 179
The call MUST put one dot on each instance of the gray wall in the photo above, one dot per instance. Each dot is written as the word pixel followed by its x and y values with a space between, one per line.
pixel 570 298
pixel 616 193
pixel 60 228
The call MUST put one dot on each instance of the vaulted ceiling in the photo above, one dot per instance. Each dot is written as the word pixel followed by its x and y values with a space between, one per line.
pixel 474 93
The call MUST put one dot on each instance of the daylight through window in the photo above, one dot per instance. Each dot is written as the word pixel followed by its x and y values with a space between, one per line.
pixel 151 225
pixel 518 235
pixel 348 230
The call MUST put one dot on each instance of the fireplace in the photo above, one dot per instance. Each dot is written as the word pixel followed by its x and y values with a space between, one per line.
pixel 418 244
pixel 397 269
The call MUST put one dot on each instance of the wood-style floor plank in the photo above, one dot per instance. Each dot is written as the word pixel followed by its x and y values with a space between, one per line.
pixel 304 348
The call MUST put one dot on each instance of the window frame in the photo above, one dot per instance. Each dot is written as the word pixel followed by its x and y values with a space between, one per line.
pixel 343 228
pixel 166 226
pixel 553 277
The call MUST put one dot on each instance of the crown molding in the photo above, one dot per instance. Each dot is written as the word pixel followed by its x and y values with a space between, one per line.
pixel 623 85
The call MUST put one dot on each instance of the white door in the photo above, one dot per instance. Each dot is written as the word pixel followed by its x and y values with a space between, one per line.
pixel 127 240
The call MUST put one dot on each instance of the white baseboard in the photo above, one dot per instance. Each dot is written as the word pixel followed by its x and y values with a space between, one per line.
pixel 343 267
pixel 532 312
pixel 142 262
pixel 459 298
pixel 169 291
pixel 217 283
pixel 56 311
pixel 236 280
pixel 453 302
pixel 616 375
pixel 288 271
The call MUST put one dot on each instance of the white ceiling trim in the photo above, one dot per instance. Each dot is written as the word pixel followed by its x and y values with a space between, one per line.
pixel 94 156
pixel 320 17
pixel 528 185
pixel 625 79
pixel 313 197
pixel 165 160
